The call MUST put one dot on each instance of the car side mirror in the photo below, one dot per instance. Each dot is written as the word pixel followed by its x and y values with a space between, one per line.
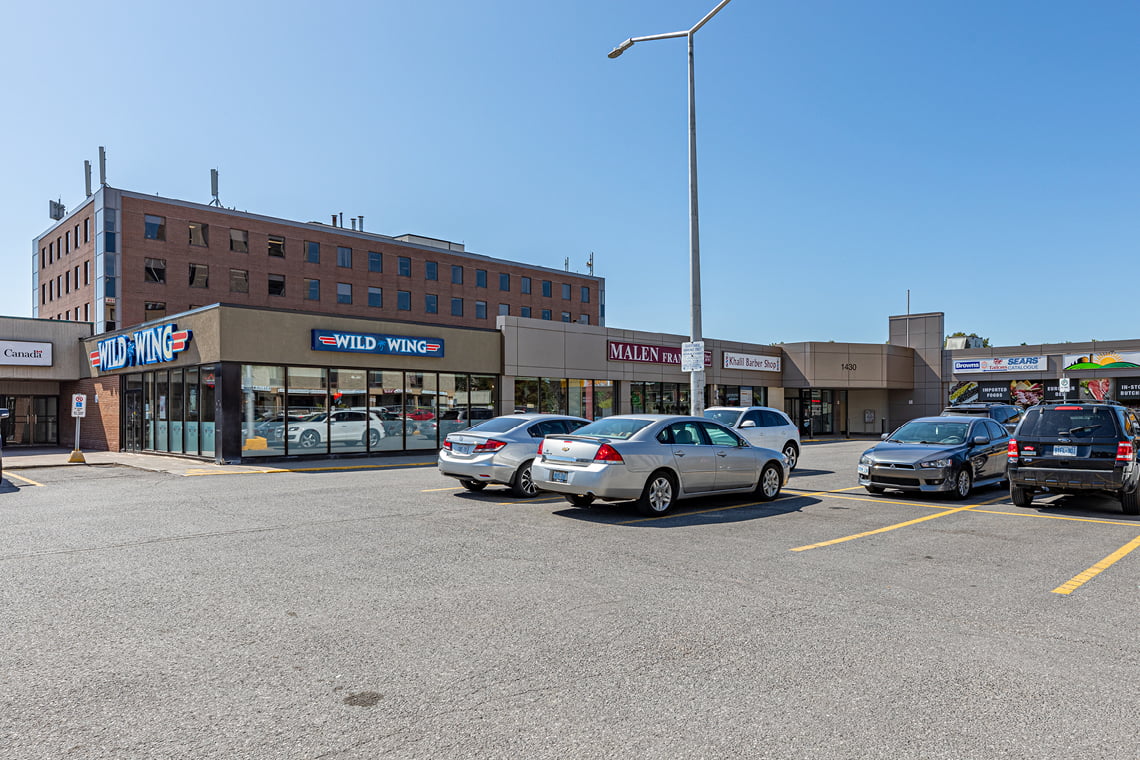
pixel 883 437
pixel 980 439
pixel 748 423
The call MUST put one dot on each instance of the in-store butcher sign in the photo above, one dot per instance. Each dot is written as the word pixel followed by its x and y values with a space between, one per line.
pixel 1002 364
pixel 152 345
pixel 643 352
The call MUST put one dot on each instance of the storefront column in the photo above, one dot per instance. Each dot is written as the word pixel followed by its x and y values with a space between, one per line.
pixel 506 394
pixel 227 414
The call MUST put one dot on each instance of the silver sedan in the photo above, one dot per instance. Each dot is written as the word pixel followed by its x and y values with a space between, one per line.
pixel 656 459
pixel 501 449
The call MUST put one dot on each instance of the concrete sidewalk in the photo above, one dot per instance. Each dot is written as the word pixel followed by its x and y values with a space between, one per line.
pixel 26 459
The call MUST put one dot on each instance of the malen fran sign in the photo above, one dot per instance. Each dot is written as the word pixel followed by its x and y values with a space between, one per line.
pixel 25 354
pixel 751 361
pixel 642 352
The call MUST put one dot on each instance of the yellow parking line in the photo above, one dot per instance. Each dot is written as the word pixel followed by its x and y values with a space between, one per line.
pixel 1080 579
pixel 21 477
pixel 449 488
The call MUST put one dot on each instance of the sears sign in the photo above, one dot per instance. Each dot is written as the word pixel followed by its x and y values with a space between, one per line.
pixel 152 345
pixel 1005 364
pixel 371 343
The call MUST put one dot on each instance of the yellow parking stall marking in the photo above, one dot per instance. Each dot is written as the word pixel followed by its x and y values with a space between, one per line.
pixel 896 526
pixel 449 488
pixel 785 492
pixel 29 481
pixel 531 500
pixel 1082 578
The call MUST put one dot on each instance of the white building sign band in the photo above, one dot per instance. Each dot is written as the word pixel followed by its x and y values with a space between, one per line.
pixel 15 352
pixel 1002 364
pixel 757 362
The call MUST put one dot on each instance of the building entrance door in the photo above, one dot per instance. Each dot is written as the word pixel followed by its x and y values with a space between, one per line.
pixel 34 421
pixel 133 420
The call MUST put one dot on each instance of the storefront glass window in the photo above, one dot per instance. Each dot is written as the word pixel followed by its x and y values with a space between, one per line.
pixel 177 407
pixel 552 395
pixel 349 430
pixel 577 402
pixel 263 419
pixel 386 398
pixel 307 399
pixel 421 409
pixel 526 394
pixel 148 411
pixel 601 400
pixel 206 411
pixel 192 401
pixel 161 402
pixel 483 393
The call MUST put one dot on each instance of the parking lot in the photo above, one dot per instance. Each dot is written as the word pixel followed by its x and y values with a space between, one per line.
pixel 385 611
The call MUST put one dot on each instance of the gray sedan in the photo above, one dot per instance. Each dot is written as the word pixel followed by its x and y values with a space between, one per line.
pixel 656 459
pixel 500 450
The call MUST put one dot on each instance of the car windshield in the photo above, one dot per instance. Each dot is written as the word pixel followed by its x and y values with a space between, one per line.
pixel 612 428
pixel 314 417
pixel 928 431
pixel 723 416
pixel 497 425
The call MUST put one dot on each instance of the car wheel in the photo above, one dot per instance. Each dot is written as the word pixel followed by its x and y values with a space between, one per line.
pixel 1130 502
pixel 792 452
pixel 374 438
pixel 473 485
pixel 963 484
pixel 1021 497
pixel 310 439
pixel 580 500
pixel 768 486
pixel 658 495
pixel 523 484
pixel 875 489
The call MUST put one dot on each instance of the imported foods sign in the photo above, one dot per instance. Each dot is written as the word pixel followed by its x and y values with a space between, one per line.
pixel 1002 364
pixel 24 354
pixel 757 362
pixel 647 354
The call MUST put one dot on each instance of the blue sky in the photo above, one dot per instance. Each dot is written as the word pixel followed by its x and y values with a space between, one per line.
pixel 983 155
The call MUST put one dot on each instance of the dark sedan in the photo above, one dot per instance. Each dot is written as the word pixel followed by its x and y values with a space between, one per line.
pixel 951 455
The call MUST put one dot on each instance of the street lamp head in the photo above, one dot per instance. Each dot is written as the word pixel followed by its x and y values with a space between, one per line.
pixel 621 48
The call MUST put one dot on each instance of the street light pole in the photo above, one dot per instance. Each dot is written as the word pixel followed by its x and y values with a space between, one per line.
pixel 696 378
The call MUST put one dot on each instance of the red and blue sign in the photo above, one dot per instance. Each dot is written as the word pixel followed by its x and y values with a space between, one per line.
pixel 152 345
pixel 373 343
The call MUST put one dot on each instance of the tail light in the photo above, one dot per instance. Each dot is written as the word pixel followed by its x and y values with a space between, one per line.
pixel 540 443
pixel 607 453
pixel 1125 451
pixel 447 444
pixel 490 445
pixel 1012 450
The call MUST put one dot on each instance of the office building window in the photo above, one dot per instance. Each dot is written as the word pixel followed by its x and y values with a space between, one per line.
pixel 86 272
pixel 505 282
pixel 546 314
pixel 154 227
pixel 239 241
pixel 404 300
pixel 566 290
pixel 239 281
pixel 431 270
pixel 87 230
pixel 199 234
pixel 312 252
pixel 504 309
pixel 199 276
pixel 480 278
pixel 524 285
pixel 154 310
pixel 344 257
pixel 584 319
pixel 585 294
pixel 43 294
pixel 524 312
pixel 312 290
pixel 155 270
pixel 456 273
pixel 86 312
pixel 344 292
pixel 547 288
pixel 404 266
pixel 276 246
pixel 480 310
pixel 457 307
pixel 375 262
pixel 376 297
pixel 431 303
pixel 276 284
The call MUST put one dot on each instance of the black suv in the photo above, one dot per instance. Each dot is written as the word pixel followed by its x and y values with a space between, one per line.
pixel 1004 414
pixel 1067 447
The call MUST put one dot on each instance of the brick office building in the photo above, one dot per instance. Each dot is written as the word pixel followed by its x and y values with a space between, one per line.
pixel 123 258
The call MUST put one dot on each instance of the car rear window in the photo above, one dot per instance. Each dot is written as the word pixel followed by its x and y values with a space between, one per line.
pixel 1078 422
pixel 497 425
pixel 611 428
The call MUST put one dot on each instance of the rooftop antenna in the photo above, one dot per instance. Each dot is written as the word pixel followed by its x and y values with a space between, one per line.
pixel 362 222
pixel 908 316
pixel 566 264
pixel 214 188
pixel 590 264
pixel 102 166
pixel 87 176
pixel 56 209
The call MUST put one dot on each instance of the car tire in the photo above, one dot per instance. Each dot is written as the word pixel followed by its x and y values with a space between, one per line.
pixel 769 483
pixel 522 484
pixel 1130 501
pixel 792 452
pixel 582 501
pixel 1021 497
pixel 658 495
pixel 310 439
pixel 374 438
pixel 473 485
pixel 875 489
pixel 963 484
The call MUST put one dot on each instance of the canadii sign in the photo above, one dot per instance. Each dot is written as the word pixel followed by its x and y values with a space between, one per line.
pixel 373 343
pixel 756 362
pixel 647 354
pixel 1003 364
pixel 24 354
pixel 152 345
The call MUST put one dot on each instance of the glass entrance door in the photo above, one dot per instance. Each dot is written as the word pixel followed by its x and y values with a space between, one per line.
pixel 133 420
pixel 34 421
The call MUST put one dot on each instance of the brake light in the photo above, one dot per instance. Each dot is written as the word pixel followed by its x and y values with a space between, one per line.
pixel 1011 450
pixel 1068 408
pixel 1125 451
pixel 540 446
pixel 490 445
pixel 607 453
pixel 447 444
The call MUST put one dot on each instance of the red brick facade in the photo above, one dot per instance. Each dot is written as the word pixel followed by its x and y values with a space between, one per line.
pixel 99 430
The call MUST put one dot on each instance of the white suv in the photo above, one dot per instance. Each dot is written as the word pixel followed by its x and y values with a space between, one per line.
pixel 762 426
pixel 350 426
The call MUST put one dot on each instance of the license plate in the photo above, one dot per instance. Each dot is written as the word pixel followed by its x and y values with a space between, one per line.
pixel 461 448
pixel 558 476
pixel 1064 451
pixel 864 469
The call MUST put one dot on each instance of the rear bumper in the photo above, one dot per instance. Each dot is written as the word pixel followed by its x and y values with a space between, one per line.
pixel 604 481
pixel 482 469
pixel 1069 480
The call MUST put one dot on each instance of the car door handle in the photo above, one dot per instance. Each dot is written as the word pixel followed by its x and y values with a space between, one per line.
pixel 721 454
pixel 678 453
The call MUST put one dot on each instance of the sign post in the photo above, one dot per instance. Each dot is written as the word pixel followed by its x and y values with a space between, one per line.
pixel 78 411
